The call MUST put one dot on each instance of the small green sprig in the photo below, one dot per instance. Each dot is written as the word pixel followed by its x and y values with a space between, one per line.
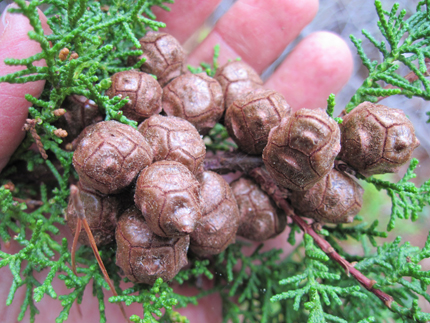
pixel 308 287
pixel 392 264
pixel 151 304
pixel 357 232
pixel 219 139
pixel 205 67
pixel 331 103
pixel 406 42
pixel 408 201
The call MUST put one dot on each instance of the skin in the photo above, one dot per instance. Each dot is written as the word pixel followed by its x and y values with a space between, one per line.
pixel 319 65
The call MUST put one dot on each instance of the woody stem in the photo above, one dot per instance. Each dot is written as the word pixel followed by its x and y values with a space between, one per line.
pixel 268 185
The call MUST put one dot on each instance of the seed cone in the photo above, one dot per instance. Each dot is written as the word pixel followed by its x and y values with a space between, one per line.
pixel 174 139
pixel 168 196
pixel 377 139
pixel 260 219
pixel 143 91
pixel 237 79
pixel 220 216
pixel 337 198
pixel 110 155
pixel 196 98
pixel 302 149
pixel 144 256
pixel 249 119
pixel 164 56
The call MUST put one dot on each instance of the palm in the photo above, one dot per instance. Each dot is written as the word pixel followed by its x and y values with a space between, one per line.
pixel 256 31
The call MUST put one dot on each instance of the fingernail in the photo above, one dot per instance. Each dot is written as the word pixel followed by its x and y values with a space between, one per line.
pixel 4 20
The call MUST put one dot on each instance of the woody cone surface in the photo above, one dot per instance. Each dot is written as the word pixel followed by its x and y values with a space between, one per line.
pixel 377 139
pixel 335 199
pixel 144 256
pixel 164 56
pixel 143 92
pixel 249 119
pixel 260 219
pixel 220 216
pixel 302 149
pixel 196 98
pixel 168 195
pixel 237 79
pixel 174 139
pixel 110 155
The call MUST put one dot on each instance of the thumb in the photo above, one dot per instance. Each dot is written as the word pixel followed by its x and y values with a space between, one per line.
pixel 14 43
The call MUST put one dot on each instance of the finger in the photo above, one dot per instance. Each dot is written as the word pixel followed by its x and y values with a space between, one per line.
pixel 257 31
pixel 209 308
pixel 320 64
pixel 14 43
pixel 185 17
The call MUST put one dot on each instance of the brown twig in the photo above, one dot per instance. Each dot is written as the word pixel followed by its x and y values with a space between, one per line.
pixel 30 203
pixel 224 162
pixel 268 185
pixel 30 125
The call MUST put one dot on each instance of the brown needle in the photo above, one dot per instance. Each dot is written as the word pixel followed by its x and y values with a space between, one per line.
pixel 76 200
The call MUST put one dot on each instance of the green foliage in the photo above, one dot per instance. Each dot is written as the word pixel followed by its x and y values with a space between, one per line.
pixel 250 279
pixel 406 42
pixel 218 139
pixel 205 67
pixel 151 304
pixel 407 199
pixel 360 232
pixel 396 266
pixel 309 288
pixel 331 103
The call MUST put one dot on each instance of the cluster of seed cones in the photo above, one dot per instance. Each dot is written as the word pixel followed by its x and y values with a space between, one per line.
pixel 147 188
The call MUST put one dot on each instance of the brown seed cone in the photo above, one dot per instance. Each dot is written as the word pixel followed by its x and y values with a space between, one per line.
pixel 110 156
pixel 260 219
pixel 143 91
pixel 101 212
pixel 196 98
pixel 220 216
pixel 302 149
pixel 174 139
pixel 377 139
pixel 249 119
pixel 237 79
pixel 168 195
pixel 164 56
pixel 144 256
pixel 81 112
pixel 337 198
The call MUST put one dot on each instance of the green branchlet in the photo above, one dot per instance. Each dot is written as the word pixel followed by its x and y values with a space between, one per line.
pixel 408 201
pixel 331 103
pixel 209 69
pixel 308 291
pixel 406 42
pixel 397 266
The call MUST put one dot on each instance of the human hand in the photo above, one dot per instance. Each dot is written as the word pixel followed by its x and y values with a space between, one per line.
pixel 256 31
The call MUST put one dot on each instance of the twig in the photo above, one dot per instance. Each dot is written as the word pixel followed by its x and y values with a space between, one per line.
pixel 268 185
pixel 30 125
pixel 30 203
pixel 224 162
